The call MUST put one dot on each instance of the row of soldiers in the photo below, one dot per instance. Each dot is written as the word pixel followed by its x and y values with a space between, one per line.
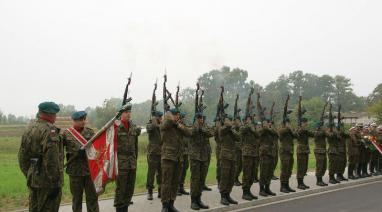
pixel 43 149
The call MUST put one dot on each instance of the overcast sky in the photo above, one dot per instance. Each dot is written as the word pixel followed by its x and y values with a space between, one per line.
pixel 81 52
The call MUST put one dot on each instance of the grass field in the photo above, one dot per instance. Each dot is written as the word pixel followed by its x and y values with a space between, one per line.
pixel 14 193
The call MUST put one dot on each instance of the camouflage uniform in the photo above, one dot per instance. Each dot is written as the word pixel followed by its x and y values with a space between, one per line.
pixel 342 153
pixel 303 152
pixel 217 153
pixel 267 157
pixel 127 151
pixel 320 152
pixel 153 156
pixel 199 155
pixel 172 158
pixel 41 159
pixel 238 155
pixel 286 152
pixel 250 152
pixel 334 156
pixel 374 155
pixel 78 171
pixel 184 165
pixel 353 153
pixel 275 149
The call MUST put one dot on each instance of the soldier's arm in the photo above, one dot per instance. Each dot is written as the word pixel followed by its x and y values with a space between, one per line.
pixel 236 134
pixel 185 131
pixel 23 156
pixel 51 160
pixel 167 123
pixel 208 132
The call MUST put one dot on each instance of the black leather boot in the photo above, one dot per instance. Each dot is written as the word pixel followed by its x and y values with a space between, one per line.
pixel 159 193
pixel 194 204
pixel 230 200
pixel 237 182
pixel 247 196
pixel 223 199
pixel 253 196
pixel 165 207
pixel 171 207
pixel 262 191
pixel 268 190
pixel 182 191
pixel 332 180
pixel 201 204
pixel 320 182
pixel 150 194
pixel 283 188
pixel 300 184
pixel 206 188
pixel 289 188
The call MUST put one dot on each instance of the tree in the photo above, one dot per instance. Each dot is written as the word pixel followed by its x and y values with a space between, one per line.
pixel 66 110
pixel 376 110
pixel 376 95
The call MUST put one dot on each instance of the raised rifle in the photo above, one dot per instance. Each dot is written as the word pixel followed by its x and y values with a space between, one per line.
pixel 249 105
pixel 260 109
pixel 220 113
pixel 196 106
pixel 177 102
pixel 300 112
pixel 236 110
pixel 339 118
pixel 272 112
pixel 285 111
pixel 322 118
pixel 154 102
pixel 126 100
pixel 331 118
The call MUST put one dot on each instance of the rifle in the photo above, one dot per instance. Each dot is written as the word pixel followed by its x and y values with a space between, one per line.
pixel 166 106
pixel 154 102
pixel 260 109
pixel 339 118
pixel 236 110
pixel 323 114
pixel 249 105
pixel 125 99
pixel 272 112
pixel 331 119
pixel 286 112
pixel 201 105
pixel 177 103
pixel 220 114
pixel 300 112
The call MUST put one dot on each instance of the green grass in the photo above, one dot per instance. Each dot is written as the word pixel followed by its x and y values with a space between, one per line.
pixel 14 193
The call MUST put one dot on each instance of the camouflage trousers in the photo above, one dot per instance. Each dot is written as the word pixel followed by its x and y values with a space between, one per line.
pixel 321 164
pixel 199 170
pixel 374 162
pixel 79 184
pixel 333 163
pixel 266 169
pixel 39 200
pixel 217 163
pixel 238 164
pixel 276 159
pixel 154 169
pixel 302 165
pixel 171 171
pixel 208 165
pixel 249 171
pixel 227 168
pixel 124 188
pixel 353 160
pixel 287 161
pixel 342 161
pixel 185 164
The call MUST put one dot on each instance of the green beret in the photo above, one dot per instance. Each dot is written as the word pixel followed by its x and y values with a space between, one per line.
pixel 158 114
pixel 174 111
pixel 48 107
pixel 79 115
pixel 183 114
pixel 199 115
pixel 126 107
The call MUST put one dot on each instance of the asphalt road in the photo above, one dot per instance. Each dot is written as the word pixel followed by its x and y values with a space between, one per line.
pixel 365 198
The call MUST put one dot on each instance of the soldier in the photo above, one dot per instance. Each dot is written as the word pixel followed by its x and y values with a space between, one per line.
pixel 127 151
pixel 333 154
pixel 199 154
pixel 303 152
pixel 267 158
pixel 320 153
pixel 364 153
pixel 209 152
pixel 238 154
pixel 217 149
pixel 228 136
pixel 379 141
pixel 41 160
pixel 373 168
pixel 185 162
pixel 77 167
pixel 250 154
pixel 154 154
pixel 275 150
pixel 343 136
pixel 172 132
pixel 353 152
pixel 286 152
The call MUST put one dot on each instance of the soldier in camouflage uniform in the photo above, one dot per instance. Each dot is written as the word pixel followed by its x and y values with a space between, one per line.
pixel 199 154
pixel 127 151
pixel 333 154
pixel 154 154
pixel 286 152
pixel 374 153
pixel 353 152
pixel 228 136
pixel 238 154
pixel 343 136
pixel 267 158
pixel 250 152
pixel 364 153
pixel 77 167
pixel 320 154
pixel 275 150
pixel 303 152
pixel 217 149
pixel 41 160
pixel 172 132
pixel 185 161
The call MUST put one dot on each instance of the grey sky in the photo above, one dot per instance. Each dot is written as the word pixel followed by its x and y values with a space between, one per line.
pixel 81 52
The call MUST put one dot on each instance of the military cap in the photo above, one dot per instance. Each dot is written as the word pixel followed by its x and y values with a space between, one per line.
pixel 126 107
pixel 199 115
pixel 48 107
pixel 79 115
pixel 158 114
pixel 174 111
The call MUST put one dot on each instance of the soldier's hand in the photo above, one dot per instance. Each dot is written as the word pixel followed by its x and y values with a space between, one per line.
pixel 54 193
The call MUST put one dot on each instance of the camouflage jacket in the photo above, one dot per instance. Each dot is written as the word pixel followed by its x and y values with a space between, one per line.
pixel 199 143
pixel 127 147
pixel 333 142
pixel 266 142
pixel 303 140
pixel 275 139
pixel 78 166
pixel 238 141
pixel 354 143
pixel 172 136
pixel 228 136
pixel 320 141
pixel 342 141
pixel 41 155
pixel 286 136
pixel 250 139
pixel 155 141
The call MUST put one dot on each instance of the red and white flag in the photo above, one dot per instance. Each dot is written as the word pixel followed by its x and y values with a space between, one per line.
pixel 376 145
pixel 102 155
